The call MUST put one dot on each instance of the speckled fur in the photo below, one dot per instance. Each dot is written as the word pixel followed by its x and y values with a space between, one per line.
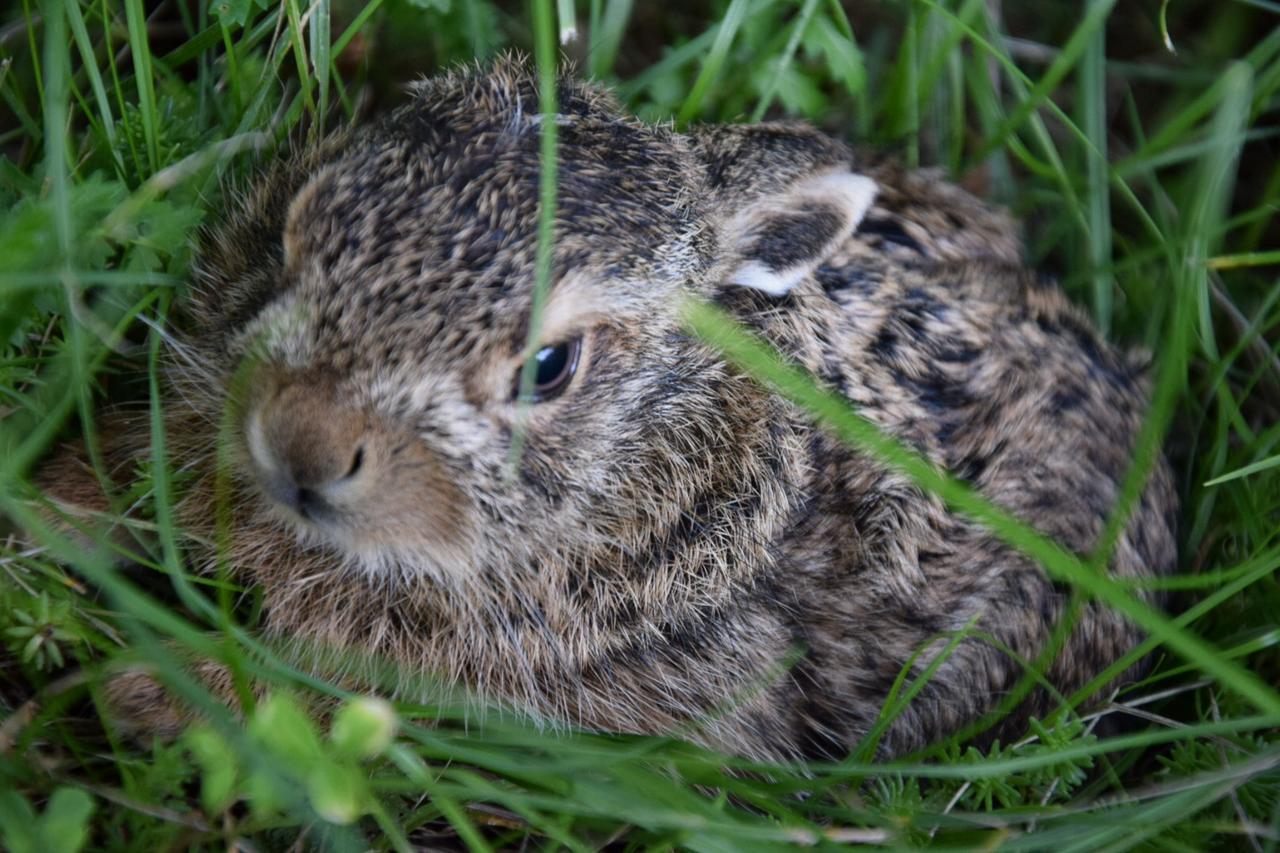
pixel 679 549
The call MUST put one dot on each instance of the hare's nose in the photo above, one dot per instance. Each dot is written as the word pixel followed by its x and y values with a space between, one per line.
pixel 306 448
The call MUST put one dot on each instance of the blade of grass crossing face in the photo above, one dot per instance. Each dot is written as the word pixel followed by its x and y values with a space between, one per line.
pixel 725 32
pixel 761 362
pixel 545 55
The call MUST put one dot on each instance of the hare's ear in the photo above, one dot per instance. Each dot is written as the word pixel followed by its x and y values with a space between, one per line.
pixel 777 240
pixel 784 195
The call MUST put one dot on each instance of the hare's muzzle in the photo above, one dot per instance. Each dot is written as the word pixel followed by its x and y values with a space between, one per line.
pixel 369 487
pixel 308 450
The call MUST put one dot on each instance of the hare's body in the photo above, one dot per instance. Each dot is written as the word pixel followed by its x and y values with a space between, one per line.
pixel 677 548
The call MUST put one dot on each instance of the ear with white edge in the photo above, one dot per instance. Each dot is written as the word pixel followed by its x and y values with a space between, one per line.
pixel 778 240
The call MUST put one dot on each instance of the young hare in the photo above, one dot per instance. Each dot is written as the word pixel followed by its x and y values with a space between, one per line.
pixel 674 547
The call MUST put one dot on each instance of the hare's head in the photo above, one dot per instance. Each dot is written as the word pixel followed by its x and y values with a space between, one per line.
pixel 368 308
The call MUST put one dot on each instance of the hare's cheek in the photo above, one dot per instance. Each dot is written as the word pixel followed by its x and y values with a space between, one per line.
pixel 431 510
pixel 405 500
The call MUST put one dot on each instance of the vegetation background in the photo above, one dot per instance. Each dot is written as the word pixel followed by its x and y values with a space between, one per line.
pixel 1137 140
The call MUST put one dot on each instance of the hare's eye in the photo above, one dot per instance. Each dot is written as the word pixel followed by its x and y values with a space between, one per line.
pixel 554 367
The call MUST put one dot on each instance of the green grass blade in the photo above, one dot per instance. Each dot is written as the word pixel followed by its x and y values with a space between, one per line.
pixel 1094 19
pixel 90 64
pixel 1093 106
pixel 712 65
pixel 1190 279
pixel 717 329
pixel 140 49
pixel 1255 468
pixel 544 35
pixel 784 62
pixel 605 42
pixel 568 20
pixel 319 55
pixel 1245 259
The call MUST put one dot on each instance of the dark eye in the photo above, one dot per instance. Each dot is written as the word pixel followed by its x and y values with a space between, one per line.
pixel 554 367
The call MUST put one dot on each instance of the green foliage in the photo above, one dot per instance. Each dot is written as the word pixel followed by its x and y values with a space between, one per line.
pixel 36 634
pixel 62 828
pixel 331 772
pixel 1148 181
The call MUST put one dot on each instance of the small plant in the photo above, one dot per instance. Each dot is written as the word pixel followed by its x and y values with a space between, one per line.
pixel 39 630
pixel 330 772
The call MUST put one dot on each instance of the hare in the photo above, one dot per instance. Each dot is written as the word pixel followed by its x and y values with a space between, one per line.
pixel 674 547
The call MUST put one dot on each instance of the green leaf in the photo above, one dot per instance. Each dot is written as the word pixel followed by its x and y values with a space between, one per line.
pixel 235 12
pixel 796 90
pixel 338 792
pixel 841 54
pixel 64 825
pixel 261 790
pixel 218 768
pixel 18 827
pixel 281 726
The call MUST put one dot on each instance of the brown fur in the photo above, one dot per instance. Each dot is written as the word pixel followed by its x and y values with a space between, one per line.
pixel 677 547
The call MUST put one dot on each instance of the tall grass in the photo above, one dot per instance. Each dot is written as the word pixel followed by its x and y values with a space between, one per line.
pixel 1151 187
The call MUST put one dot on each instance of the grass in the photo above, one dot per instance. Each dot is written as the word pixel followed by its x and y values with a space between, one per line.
pixel 1150 183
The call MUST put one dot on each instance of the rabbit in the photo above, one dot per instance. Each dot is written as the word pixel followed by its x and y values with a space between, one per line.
pixel 671 547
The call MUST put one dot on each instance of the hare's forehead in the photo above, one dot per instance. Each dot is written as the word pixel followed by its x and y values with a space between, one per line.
pixel 472 198
pixel 411 243
pixel 435 326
